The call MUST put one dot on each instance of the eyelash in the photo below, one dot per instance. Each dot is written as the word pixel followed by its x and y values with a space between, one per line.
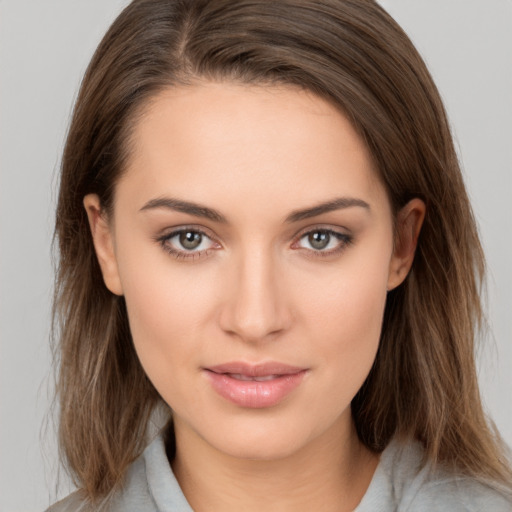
pixel 164 241
pixel 343 239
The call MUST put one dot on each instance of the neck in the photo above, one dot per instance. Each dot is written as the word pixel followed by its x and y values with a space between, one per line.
pixel 331 473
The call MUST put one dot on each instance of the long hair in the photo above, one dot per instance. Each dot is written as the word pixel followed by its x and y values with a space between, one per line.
pixel 423 383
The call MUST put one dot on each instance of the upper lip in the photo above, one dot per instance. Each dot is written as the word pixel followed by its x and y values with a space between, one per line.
pixel 255 370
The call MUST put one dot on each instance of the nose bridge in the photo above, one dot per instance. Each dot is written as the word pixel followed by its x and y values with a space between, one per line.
pixel 255 307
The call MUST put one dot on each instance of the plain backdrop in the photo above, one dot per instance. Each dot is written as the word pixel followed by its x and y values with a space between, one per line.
pixel 44 49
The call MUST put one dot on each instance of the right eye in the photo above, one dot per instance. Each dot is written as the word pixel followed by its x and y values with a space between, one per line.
pixel 187 243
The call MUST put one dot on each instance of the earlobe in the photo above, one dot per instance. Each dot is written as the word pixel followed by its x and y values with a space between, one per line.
pixel 103 243
pixel 408 226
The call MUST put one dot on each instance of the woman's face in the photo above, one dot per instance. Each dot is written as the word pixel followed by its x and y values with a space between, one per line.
pixel 253 244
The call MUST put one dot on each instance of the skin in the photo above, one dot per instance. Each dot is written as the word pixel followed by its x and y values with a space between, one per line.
pixel 256 290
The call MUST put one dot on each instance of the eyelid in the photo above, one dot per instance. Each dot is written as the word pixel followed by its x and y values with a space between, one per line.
pixel 163 238
pixel 337 230
pixel 345 239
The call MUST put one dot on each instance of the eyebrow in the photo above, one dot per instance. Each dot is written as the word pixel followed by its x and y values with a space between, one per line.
pixel 336 204
pixel 185 207
pixel 198 210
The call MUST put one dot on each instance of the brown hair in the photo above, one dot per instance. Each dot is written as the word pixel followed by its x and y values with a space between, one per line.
pixel 423 383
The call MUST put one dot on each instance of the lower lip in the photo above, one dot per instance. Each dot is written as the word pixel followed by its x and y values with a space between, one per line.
pixel 254 394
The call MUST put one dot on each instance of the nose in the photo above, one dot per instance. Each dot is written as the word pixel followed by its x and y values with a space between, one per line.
pixel 255 308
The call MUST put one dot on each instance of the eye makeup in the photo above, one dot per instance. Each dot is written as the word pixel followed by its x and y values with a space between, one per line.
pixel 322 242
pixel 193 243
pixel 188 243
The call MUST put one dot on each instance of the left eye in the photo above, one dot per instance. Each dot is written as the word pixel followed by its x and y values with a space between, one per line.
pixel 323 240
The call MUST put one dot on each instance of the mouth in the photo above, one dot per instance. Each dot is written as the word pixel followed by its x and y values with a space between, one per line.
pixel 254 386
pixel 247 378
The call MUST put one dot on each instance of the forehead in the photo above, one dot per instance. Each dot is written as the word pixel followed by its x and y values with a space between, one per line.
pixel 233 141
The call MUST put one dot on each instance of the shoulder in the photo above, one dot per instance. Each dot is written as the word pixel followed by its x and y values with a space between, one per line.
pixel 73 503
pixel 149 486
pixel 403 482
pixel 458 495
pixel 133 496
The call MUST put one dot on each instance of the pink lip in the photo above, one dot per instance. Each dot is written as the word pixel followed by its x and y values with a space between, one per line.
pixel 236 382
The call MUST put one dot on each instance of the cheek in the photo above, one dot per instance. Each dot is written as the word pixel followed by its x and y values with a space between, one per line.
pixel 165 303
pixel 167 307
pixel 344 310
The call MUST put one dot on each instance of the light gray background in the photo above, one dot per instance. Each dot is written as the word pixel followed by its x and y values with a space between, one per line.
pixel 44 49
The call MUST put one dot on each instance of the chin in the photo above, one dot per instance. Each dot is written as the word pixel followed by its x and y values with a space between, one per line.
pixel 270 447
pixel 262 439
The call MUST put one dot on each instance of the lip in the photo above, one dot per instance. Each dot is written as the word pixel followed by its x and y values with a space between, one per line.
pixel 254 386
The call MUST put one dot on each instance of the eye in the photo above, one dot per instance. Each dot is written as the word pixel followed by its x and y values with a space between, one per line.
pixel 189 240
pixel 323 240
pixel 187 243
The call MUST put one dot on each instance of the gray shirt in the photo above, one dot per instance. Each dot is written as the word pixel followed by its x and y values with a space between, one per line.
pixel 400 483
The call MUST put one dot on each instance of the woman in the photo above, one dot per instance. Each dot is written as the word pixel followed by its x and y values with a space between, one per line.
pixel 263 228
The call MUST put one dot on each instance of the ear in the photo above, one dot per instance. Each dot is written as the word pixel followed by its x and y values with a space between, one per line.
pixel 408 226
pixel 103 241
